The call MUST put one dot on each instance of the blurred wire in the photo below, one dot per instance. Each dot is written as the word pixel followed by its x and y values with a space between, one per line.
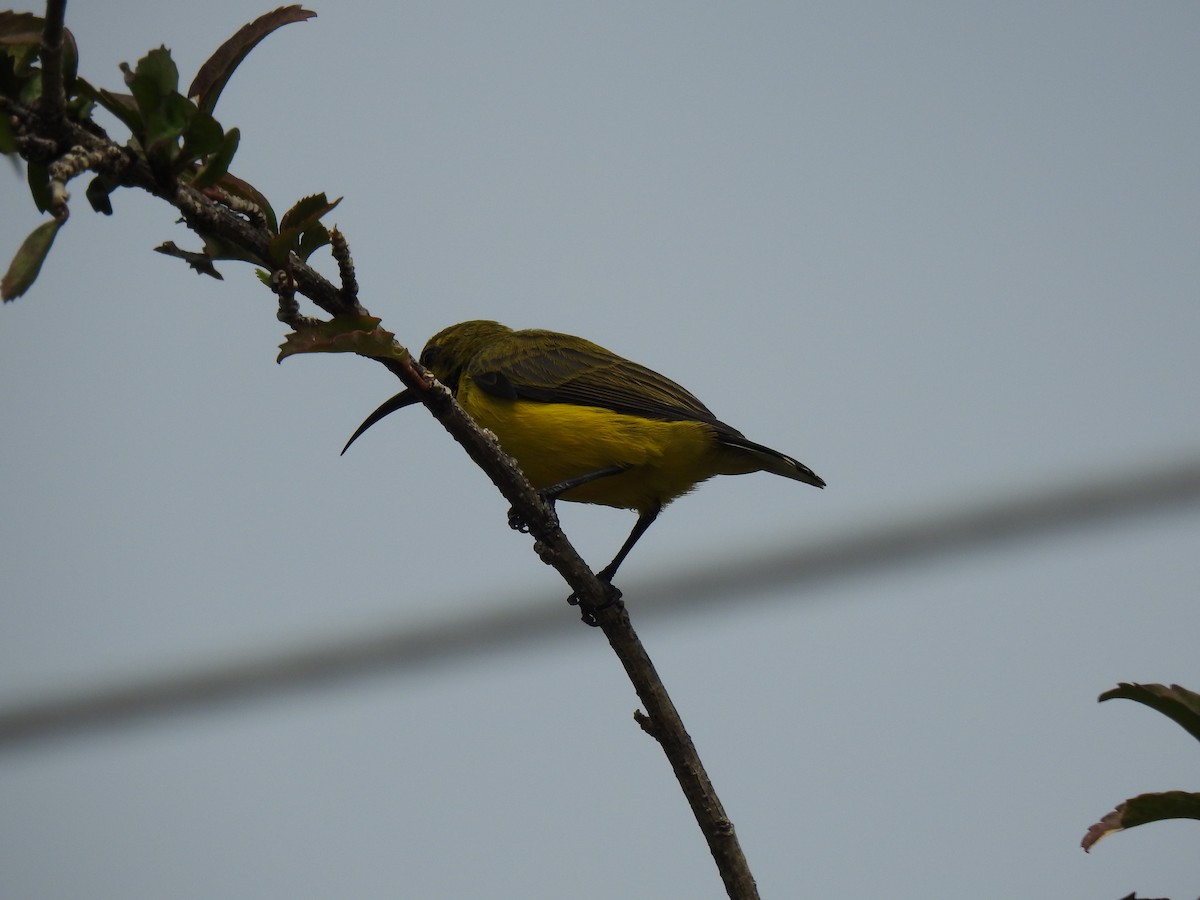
pixel 914 538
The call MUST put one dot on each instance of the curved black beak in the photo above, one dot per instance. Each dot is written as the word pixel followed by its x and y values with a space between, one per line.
pixel 401 400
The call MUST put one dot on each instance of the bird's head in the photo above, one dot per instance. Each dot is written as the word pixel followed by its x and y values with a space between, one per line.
pixel 446 355
pixel 450 350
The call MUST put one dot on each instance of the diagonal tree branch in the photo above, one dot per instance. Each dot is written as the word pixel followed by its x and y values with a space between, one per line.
pixel 46 136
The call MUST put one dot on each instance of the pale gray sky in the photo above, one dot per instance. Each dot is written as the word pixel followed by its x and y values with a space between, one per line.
pixel 938 252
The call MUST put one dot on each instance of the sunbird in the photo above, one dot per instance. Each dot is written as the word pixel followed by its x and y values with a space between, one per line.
pixel 587 425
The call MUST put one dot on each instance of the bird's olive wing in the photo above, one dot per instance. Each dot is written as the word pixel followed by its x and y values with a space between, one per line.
pixel 554 368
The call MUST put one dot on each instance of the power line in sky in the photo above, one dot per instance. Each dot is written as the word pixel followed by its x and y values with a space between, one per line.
pixel 909 539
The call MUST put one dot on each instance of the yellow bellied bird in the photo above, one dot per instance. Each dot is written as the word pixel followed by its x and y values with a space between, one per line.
pixel 587 425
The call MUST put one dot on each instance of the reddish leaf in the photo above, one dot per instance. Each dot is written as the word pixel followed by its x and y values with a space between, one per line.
pixel 98 191
pixel 202 263
pixel 70 58
pixel 1142 809
pixel 20 29
pixel 215 73
pixel 123 106
pixel 360 335
pixel 306 211
pixel 247 191
pixel 1175 702
pixel 300 229
pixel 23 270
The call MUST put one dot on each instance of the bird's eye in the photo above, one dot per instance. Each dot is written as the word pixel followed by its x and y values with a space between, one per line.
pixel 429 356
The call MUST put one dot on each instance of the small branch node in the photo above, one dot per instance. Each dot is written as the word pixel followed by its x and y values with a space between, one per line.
pixel 545 552
pixel 723 827
pixel 71 164
pixel 284 286
pixel 341 253
pixel 239 205
pixel 194 212
pixel 36 148
pixel 645 723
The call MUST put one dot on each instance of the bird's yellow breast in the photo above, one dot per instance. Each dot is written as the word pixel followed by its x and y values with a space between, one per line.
pixel 554 442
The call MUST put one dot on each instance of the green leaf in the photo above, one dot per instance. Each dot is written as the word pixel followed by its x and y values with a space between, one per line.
pixel 1175 702
pixel 1142 809
pixel 206 87
pixel 216 167
pixel 163 113
pixel 361 335
pixel 301 241
pixel 26 265
pixel 166 125
pixel 280 245
pixel 202 137
pixel 20 41
pixel 20 38
pixel 10 84
pixel 37 175
pixel 154 79
pixel 8 140
pixel 79 107
pixel 311 239
pixel 300 229
pixel 31 87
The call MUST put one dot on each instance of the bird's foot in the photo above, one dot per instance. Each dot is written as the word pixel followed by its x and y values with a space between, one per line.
pixel 612 597
pixel 517 522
